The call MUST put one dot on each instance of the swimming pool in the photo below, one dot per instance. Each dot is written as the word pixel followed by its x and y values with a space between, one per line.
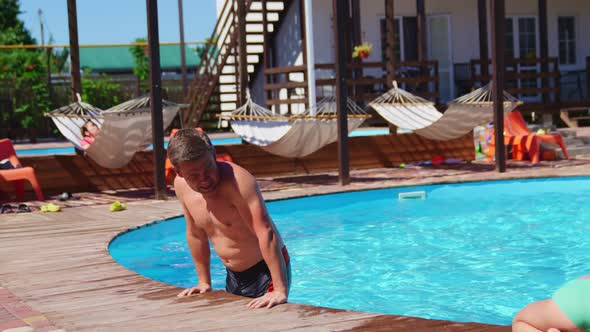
pixel 468 252
pixel 215 141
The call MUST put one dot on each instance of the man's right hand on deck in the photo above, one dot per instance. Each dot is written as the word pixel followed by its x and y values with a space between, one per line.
pixel 198 289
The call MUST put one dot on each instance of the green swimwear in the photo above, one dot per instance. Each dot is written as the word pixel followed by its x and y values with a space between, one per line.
pixel 573 299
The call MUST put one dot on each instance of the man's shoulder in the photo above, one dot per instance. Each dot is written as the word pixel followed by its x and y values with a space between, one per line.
pixel 179 183
pixel 237 170
pixel 237 174
pixel 182 189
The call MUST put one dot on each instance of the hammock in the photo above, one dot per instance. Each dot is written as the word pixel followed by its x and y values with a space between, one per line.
pixel 70 118
pixel 405 110
pixel 295 136
pixel 465 113
pixel 124 129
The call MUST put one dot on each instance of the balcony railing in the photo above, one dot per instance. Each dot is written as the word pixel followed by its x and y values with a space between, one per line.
pixel 532 80
pixel 287 86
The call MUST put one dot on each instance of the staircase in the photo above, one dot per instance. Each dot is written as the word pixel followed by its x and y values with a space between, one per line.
pixel 218 70
pixel 577 142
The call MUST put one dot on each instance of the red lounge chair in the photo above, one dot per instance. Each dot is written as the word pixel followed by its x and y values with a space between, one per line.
pixel 525 144
pixel 169 169
pixel 17 175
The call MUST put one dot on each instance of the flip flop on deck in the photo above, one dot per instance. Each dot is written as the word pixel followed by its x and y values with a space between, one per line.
pixel 117 206
pixel 50 207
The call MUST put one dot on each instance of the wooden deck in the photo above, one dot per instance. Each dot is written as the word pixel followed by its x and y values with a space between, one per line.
pixel 59 265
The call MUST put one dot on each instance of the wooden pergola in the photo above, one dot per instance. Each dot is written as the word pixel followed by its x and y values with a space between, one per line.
pixel 155 84
pixel 343 64
pixel 340 9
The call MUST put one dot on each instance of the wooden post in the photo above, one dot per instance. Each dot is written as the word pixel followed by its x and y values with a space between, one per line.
pixel 243 56
pixel 390 37
pixel 482 15
pixel 340 12
pixel 544 46
pixel 74 50
pixel 498 10
pixel 156 98
pixel 182 51
pixel 421 19
pixel 356 40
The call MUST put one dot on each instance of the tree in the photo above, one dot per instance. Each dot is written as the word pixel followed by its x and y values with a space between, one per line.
pixel 22 70
pixel 140 58
pixel 101 91
pixel 12 29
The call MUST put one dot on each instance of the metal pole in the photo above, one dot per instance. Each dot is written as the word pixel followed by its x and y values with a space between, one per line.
pixel 74 49
pixel 311 88
pixel 340 12
pixel 48 53
pixel 182 50
pixel 40 12
pixel 49 75
pixel 498 10
pixel 156 98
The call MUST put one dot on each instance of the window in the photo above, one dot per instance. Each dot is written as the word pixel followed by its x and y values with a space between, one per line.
pixel 406 39
pixel 509 39
pixel 567 40
pixel 527 35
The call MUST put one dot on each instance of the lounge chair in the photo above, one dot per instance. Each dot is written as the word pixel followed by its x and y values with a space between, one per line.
pixel 169 168
pixel 524 143
pixel 18 174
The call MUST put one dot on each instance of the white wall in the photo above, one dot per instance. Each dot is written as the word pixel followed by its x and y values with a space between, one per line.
pixel 323 35
pixel 581 11
pixel 464 23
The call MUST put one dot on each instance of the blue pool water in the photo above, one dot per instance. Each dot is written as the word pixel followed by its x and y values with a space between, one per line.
pixel 468 252
pixel 215 141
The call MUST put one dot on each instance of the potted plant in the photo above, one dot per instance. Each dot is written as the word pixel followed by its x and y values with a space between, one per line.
pixel 362 51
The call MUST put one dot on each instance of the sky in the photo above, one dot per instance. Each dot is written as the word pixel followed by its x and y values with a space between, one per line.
pixel 118 21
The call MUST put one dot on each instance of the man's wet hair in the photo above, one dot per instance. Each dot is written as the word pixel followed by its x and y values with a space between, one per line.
pixel 188 145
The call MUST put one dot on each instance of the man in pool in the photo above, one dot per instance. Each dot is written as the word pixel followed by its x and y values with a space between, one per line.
pixel 567 311
pixel 222 203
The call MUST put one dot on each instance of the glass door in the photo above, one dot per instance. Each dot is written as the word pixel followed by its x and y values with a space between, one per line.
pixel 522 43
pixel 440 49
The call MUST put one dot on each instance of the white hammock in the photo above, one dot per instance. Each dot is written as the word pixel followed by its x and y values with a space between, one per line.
pixel 295 136
pixel 70 118
pixel 405 110
pixel 465 113
pixel 124 130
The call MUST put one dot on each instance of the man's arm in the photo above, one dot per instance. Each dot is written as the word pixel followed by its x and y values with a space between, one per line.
pixel 198 244
pixel 253 211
